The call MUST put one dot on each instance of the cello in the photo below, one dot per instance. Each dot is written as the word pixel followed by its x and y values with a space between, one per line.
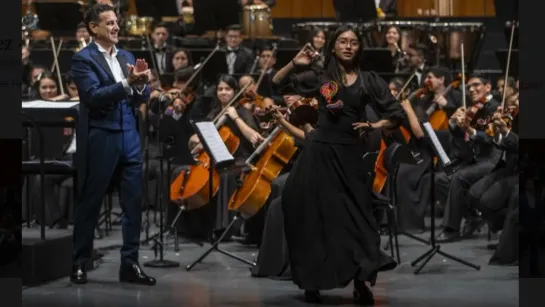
pixel 276 151
pixel 191 185
pixel 381 174
pixel 437 117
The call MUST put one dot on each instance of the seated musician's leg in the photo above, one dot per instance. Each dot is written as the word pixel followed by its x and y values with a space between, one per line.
pixel 474 196
pixel 507 252
pixel 441 183
pixel 495 200
pixel 456 204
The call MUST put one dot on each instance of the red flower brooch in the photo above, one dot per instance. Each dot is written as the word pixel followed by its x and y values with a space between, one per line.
pixel 328 91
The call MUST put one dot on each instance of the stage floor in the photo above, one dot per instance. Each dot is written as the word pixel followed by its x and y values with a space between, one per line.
pixel 222 281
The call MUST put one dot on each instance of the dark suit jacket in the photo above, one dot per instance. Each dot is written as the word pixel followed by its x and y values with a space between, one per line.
pixel 509 146
pixel 99 93
pixel 480 147
pixel 243 63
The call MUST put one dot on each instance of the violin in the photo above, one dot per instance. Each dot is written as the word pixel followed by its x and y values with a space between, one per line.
pixel 472 111
pixel 300 112
pixel 252 98
pixel 507 117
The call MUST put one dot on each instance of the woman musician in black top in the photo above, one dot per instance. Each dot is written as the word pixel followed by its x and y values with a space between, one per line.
pixel 243 125
pixel 332 233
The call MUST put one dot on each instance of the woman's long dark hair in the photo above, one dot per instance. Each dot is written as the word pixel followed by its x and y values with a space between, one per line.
pixel 215 105
pixel 35 90
pixel 332 66
pixel 313 34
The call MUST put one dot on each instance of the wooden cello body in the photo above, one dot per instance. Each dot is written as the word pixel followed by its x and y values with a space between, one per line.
pixel 256 187
pixel 193 185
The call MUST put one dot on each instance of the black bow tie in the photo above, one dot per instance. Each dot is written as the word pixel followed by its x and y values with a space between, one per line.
pixel 419 70
pixel 161 50
pixel 235 51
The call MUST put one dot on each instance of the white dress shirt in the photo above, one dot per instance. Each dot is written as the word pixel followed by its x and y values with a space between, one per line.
pixel 116 69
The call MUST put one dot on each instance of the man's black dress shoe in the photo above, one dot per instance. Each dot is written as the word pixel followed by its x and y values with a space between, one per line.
pixel 132 273
pixel 78 275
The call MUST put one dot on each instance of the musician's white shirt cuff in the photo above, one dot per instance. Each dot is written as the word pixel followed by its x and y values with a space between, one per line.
pixel 139 88
pixel 473 135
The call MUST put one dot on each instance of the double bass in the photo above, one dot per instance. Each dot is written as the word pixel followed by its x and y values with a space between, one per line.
pixel 191 185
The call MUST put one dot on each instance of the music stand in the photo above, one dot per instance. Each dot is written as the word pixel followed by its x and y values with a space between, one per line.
pixel 220 160
pixel 58 16
pixel 436 150
pixel 501 56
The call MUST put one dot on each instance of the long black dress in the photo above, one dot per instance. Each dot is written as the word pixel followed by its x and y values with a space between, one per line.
pixel 332 233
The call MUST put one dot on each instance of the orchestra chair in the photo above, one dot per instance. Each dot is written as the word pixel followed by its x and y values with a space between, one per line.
pixel 382 202
pixel 51 167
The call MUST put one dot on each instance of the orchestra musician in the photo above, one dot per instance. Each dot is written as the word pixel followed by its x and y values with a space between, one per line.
pixel 416 54
pixel 47 87
pixel 338 240
pixel 243 125
pixel 438 79
pixel 490 195
pixel 239 59
pixel 161 49
pixel 476 153
pixel 110 84
pixel 273 258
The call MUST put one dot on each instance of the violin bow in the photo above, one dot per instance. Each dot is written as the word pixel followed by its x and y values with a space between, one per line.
pixel 464 103
pixel 222 112
pixel 508 64
pixel 153 60
pixel 200 67
pixel 404 87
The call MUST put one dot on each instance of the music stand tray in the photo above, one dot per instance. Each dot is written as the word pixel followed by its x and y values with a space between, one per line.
pixel 436 150
pixel 220 160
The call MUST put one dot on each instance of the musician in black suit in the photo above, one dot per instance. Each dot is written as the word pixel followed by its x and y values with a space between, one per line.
pixel 162 51
pixel 490 195
pixel 239 59
pixel 476 151
pixel 439 79
pixel 417 64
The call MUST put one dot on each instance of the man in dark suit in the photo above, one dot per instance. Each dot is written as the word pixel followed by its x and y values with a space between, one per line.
pixel 417 64
pixel 477 153
pixel 110 84
pixel 239 59
pixel 491 194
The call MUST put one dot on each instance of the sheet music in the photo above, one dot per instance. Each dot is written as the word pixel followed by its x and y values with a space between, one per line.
pixel 218 150
pixel 44 104
pixel 435 142
pixel 72 148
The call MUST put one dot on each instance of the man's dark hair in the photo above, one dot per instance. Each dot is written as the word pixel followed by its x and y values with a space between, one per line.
pixel 93 15
pixel 266 47
pixel 81 25
pixel 484 79
pixel 159 24
pixel 234 28
pixel 440 71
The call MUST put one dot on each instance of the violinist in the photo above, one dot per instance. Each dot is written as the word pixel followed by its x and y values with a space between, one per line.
pixel 438 79
pixel 338 240
pixel 490 195
pixel 416 54
pixel 511 88
pixel 474 151
pixel 251 99
pixel 47 87
pixel 242 123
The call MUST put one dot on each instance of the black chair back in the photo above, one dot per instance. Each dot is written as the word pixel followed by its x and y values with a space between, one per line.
pixel 369 160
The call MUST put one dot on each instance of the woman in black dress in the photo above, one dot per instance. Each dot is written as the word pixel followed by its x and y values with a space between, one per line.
pixel 332 234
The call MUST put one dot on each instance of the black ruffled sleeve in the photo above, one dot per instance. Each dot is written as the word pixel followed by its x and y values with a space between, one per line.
pixel 383 102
